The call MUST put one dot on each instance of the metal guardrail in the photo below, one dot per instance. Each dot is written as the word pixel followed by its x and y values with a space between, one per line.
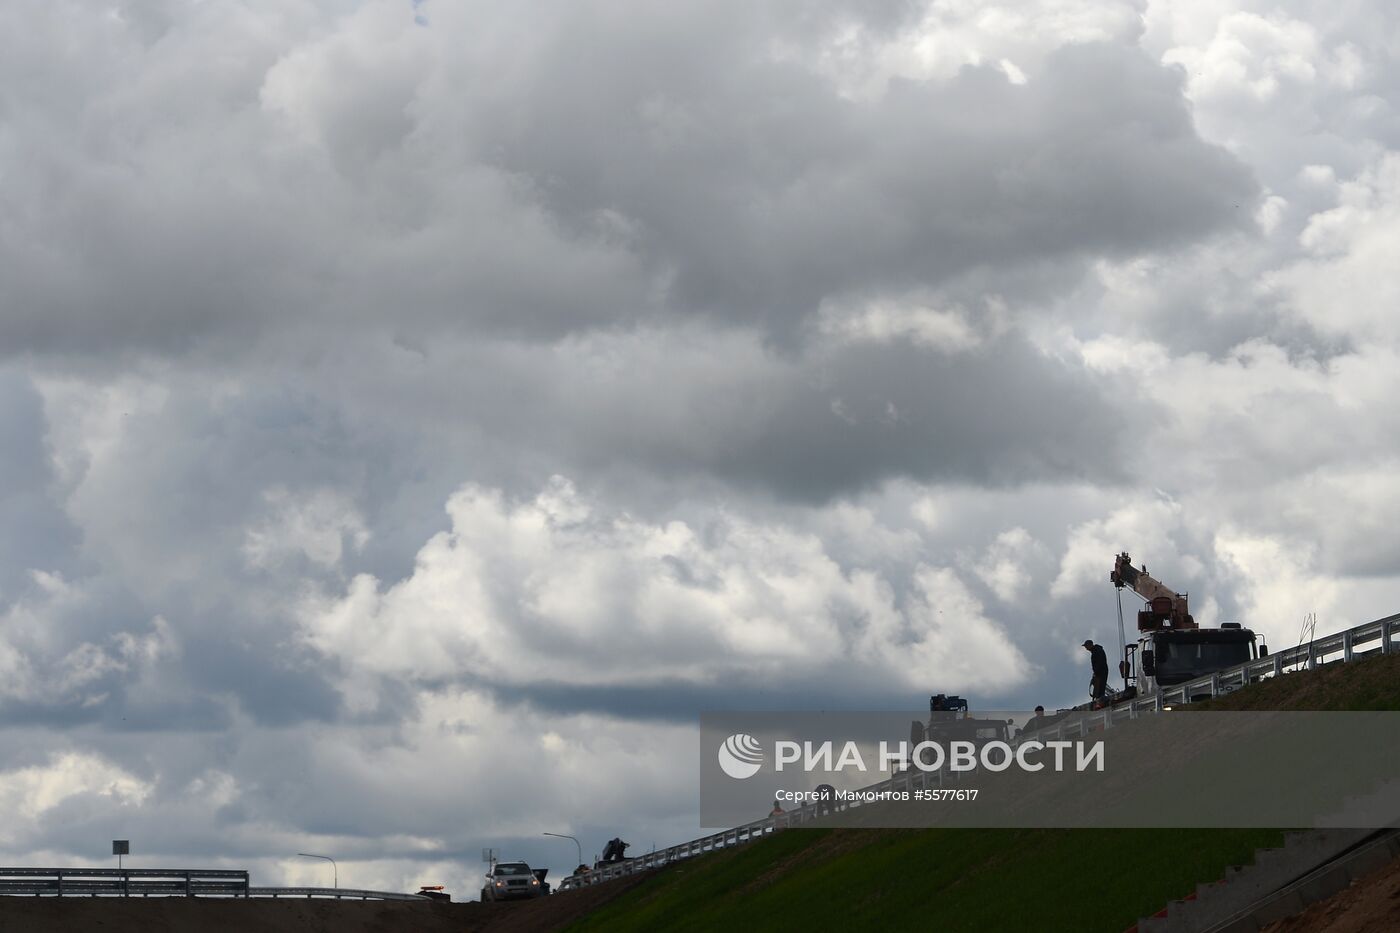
pixel 123 882
pixel 711 843
pixel 341 893
pixel 1376 637
pixel 159 882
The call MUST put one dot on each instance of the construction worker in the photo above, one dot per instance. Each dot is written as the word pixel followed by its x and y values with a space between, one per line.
pixel 1033 724
pixel 1099 661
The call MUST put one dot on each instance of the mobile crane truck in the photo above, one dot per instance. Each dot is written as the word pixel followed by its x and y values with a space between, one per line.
pixel 1172 648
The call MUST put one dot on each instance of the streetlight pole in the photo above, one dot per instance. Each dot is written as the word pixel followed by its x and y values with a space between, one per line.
pixel 335 871
pixel 576 843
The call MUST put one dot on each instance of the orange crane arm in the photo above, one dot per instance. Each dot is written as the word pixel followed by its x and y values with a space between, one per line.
pixel 1167 606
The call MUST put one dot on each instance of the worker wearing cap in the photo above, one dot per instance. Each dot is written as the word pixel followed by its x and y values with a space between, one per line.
pixel 1099 661
pixel 1033 724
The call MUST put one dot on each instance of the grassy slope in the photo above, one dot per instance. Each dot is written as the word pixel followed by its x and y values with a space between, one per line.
pixel 974 880
pixel 948 880
pixel 1369 684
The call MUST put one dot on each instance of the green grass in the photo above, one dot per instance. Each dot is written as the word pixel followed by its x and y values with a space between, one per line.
pixel 944 879
pixel 1368 684
pixel 1084 881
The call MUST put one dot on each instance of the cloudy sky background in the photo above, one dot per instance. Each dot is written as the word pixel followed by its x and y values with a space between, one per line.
pixel 413 414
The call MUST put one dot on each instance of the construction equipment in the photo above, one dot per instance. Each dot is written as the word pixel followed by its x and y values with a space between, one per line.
pixel 615 850
pixel 950 721
pixel 1172 648
pixel 614 854
pixel 1165 607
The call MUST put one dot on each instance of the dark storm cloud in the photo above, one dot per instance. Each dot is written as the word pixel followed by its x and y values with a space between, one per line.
pixel 1002 415
pixel 838 418
pixel 762 191
pixel 613 165
pixel 847 420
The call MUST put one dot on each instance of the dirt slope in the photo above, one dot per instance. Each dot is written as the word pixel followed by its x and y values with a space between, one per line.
pixel 1371 903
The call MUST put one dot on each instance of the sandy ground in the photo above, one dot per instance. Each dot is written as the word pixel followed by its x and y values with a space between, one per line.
pixel 298 915
pixel 1370 904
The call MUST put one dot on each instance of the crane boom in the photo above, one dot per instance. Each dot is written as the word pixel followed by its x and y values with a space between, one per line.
pixel 1166 608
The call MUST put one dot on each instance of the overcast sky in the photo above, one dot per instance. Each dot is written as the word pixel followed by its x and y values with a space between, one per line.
pixel 415 413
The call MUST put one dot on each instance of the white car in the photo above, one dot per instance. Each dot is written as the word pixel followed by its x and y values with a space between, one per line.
pixel 511 881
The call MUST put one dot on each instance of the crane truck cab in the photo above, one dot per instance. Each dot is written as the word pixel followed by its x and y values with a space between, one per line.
pixel 1175 657
pixel 1172 648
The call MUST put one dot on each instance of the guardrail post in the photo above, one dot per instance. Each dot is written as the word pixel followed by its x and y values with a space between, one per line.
pixel 1385 637
pixel 1215 684
pixel 1312 662
pixel 1346 646
pixel 1278 665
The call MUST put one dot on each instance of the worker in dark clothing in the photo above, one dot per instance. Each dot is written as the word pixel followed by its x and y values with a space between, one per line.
pixel 1099 661
pixel 1034 724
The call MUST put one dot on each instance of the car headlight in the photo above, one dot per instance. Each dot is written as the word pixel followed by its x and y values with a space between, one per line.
pixel 534 881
